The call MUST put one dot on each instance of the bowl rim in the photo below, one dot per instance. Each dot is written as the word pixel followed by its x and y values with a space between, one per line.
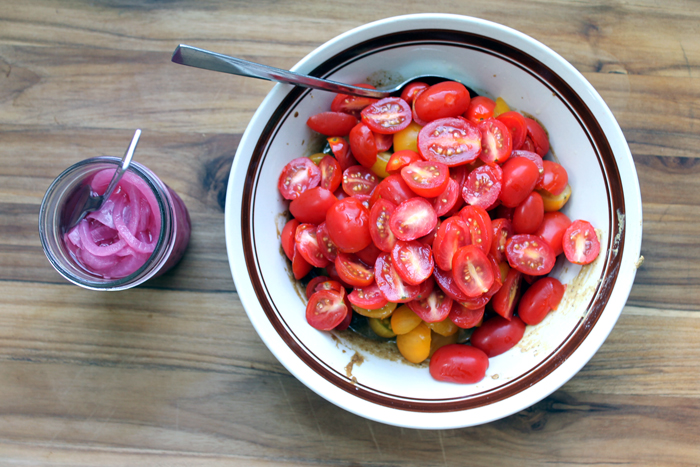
pixel 618 288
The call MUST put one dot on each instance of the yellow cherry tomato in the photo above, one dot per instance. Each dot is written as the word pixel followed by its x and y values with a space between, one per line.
pixel 404 320
pixel 445 327
pixel 379 313
pixel 382 327
pixel 437 341
pixel 379 167
pixel 407 138
pixel 501 107
pixel 316 158
pixel 555 202
pixel 415 345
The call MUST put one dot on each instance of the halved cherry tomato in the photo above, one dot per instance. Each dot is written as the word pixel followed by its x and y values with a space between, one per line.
pixel 407 138
pixel 534 157
pixel 452 141
pixel 307 245
pixel 413 219
pixel 300 267
pixel 538 136
pixel 379 313
pixel 555 178
pixel 480 229
pixel 382 327
pixel 498 335
pixel 298 176
pixel 383 142
pixel 580 242
pixel 352 105
pixel 413 261
pixel 352 271
pixel 444 328
pixel 369 254
pixel 412 90
pixel 447 284
pixel 333 274
pixel 387 116
pixel 543 296
pixel 552 229
pixel 442 100
pixel 341 150
pixel 472 271
pixel 452 235
pixel 369 297
pixel 363 145
pixel 528 145
pixel 332 123
pixel 325 244
pixel 311 286
pixel 358 180
pixel 529 214
pixel 447 200
pixel 555 202
pixel 311 205
pixel 287 237
pixel 393 189
pixel 326 309
pixel 483 186
pixel 390 283
pixel 466 318
pixel 400 159
pixel 404 320
pixel 329 284
pixel 433 308
pixel 415 344
pixel 430 237
pixel 379 229
pixel 331 174
pixel 519 179
pixel 502 231
pixel 496 141
pixel 347 222
pixel 515 123
pixel 530 254
pixel 426 178
pixel 459 363
pixel 504 301
pixel 480 108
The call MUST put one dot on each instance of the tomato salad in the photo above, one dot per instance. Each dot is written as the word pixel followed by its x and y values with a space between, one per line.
pixel 428 213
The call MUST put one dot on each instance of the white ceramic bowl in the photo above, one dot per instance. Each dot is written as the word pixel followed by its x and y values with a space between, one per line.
pixel 495 61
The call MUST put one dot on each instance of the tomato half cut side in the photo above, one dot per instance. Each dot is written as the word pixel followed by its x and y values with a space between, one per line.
pixel 393 189
pixel 452 141
pixel 325 244
pixel 472 271
pixel 530 255
pixel 538 136
pixel 387 116
pixel 498 335
pixel 363 145
pixel 505 300
pixel 482 186
pixel 433 308
pixel 413 261
pixel 332 123
pixel 459 363
pixel 542 297
pixel 502 230
pixel 352 271
pixel 515 123
pixel 411 90
pixel 326 310
pixel 369 297
pixel 352 105
pixel 390 283
pixel 480 229
pixel 426 178
pixel 580 242
pixel 331 174
pixel 379 229
pixel 341 151
pixel 496 141
pixel 447 200
pixel 400 159
pixel 446 282
pixel 311 286
pixel 466 318
pixel 413 219
pixel 307 245
pixel 358 180
pixel 383 142
pixel 297 176
pixel 452 235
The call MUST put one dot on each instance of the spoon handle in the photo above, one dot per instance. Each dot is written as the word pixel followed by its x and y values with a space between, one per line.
pixel 200 58
pixel 126 160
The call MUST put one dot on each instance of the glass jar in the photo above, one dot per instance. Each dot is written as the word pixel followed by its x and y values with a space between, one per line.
pixel 169 247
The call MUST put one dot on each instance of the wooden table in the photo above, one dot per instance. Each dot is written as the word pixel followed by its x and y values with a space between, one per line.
pixel 172 373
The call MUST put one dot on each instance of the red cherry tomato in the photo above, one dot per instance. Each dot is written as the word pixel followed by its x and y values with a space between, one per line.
pixel 519 179
pixel 528 145
pixel 390 283
pixel 369 297
pixel 328 284
pixel 311 205
pixel 345 323
pixel 442 100
pixel 331 174
pixel 348 225
pixel 352 271
pixel 413 219
pixel 447 200
pixel 332 123
pixel 480 229
pixel 480 108
pixel 383 142
pixel 379 229
pixel 515 123
pixel 352 105
pixel 459 363
pixel 358 180
pixel 363 145
pixel 400 159
pixel 307 245
pixel 452 235
pixel 530 255
pixel 543 296
pixel 552 229
pixel 452 141
pixel 504 301
pixel 464 317
pixel 341 150
pixel 369 254
pixel 472 271
pixel 496 141
pixel 534 157
pixel 426 178
pixel 325 244
pixel 432 308
pixel 483 186
pixel 498 335
pixel 387 116
pixel 393 189
pixel 554 179
pixel 529 214
pixel 326 309
pixel 448 285
pixel 300 267
pixel 411 90
pixel 538 136
pixel 580 242
pixel 287 237
pixel 298 176
pixel 502 230
pixel 413 261
pixel 311 286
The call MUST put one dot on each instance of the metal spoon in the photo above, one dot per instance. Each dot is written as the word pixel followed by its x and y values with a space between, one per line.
pixel 200 58
pixel 86 201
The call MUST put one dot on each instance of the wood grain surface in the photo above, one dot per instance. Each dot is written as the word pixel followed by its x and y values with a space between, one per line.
pixel 172 373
